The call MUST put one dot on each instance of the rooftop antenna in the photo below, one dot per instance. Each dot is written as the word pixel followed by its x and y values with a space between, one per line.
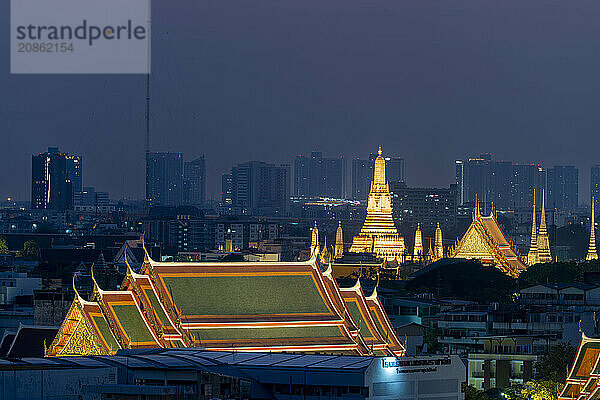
pixel 147 116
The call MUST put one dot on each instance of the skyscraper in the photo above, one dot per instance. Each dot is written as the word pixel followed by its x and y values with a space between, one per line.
pixel 426 206
pixel 563 187
pixel 258 188
pixel 227 190
pixel 51 185
pixel 319 176
pixel 595 181
pixel 74 171
pixel 164 179
pixel 460 178
pixel 362 173
pixel 194 181
pixel 394 167
pixel 506 184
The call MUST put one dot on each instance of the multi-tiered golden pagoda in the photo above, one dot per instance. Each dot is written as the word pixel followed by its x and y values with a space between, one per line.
pixel 338 250
pixel 592 254
pixel 543 243
pixel 532 256
pixel 438 249
pixel 379 234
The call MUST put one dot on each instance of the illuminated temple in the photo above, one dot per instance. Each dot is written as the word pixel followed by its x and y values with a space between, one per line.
pixel 583 378
pixel 294 307
pixel 378 234
pixel 485 241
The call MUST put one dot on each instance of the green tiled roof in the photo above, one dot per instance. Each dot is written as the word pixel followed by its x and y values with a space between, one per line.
pixel 584 348
pixel 245 295
pixel 132 322
pixel 267 333
pixel 382 331
pixel 157 307
pixel 106 333
pixel 360 322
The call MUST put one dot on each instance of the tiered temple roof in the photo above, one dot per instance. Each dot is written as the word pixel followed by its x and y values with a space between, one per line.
pixel 378 234
pixel 583 378
pixel 485 241
pixel 226 306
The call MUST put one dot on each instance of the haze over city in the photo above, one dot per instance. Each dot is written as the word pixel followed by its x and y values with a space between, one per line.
pixel 429 81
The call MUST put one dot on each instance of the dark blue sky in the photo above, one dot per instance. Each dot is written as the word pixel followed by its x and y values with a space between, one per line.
pixel 431 81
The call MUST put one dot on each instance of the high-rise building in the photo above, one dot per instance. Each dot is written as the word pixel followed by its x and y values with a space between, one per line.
pixel 394 169
pixel 258 188
pixel 563 187
pixel 227 190
pixel 164 179
pixel 74 171
pixel 90 200
pixel 595 181
pixel 362 174
pixel 194 181
pixel 51 185
pixel 90 197
pixel 425 206
pixel 506 184
pixel 318 176
pixel 460 178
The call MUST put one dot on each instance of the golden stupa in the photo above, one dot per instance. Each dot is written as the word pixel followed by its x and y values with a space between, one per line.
pixel 379 234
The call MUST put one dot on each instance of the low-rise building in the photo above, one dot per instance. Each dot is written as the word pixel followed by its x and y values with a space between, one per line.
pixel 193 373
pixel 13 284
pixel 505 361
pixel 563 294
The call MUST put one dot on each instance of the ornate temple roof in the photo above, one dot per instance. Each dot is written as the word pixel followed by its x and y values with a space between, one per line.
pixel 583 378
pixel 485 241
pixel 294 306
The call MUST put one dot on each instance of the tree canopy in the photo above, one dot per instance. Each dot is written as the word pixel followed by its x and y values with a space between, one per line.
pixel 31 250
pixel 570 272
pixel 3 245
pixel 554 363
pixel 468 280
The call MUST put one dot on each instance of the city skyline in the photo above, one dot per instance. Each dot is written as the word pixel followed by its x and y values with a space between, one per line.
pixel 411 77
pixel 217 189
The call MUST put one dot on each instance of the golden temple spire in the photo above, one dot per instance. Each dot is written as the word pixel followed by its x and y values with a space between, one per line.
pixel 592 254
pixel 338 251
pixel 325 255
pixel 418 249
pixel 532 257
pixel 314 242
pixel 430 254
pixel 379 175
pixel 543 243
pixel 438 247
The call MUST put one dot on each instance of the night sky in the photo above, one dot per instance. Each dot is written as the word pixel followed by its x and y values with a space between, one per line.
pixel 429 80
